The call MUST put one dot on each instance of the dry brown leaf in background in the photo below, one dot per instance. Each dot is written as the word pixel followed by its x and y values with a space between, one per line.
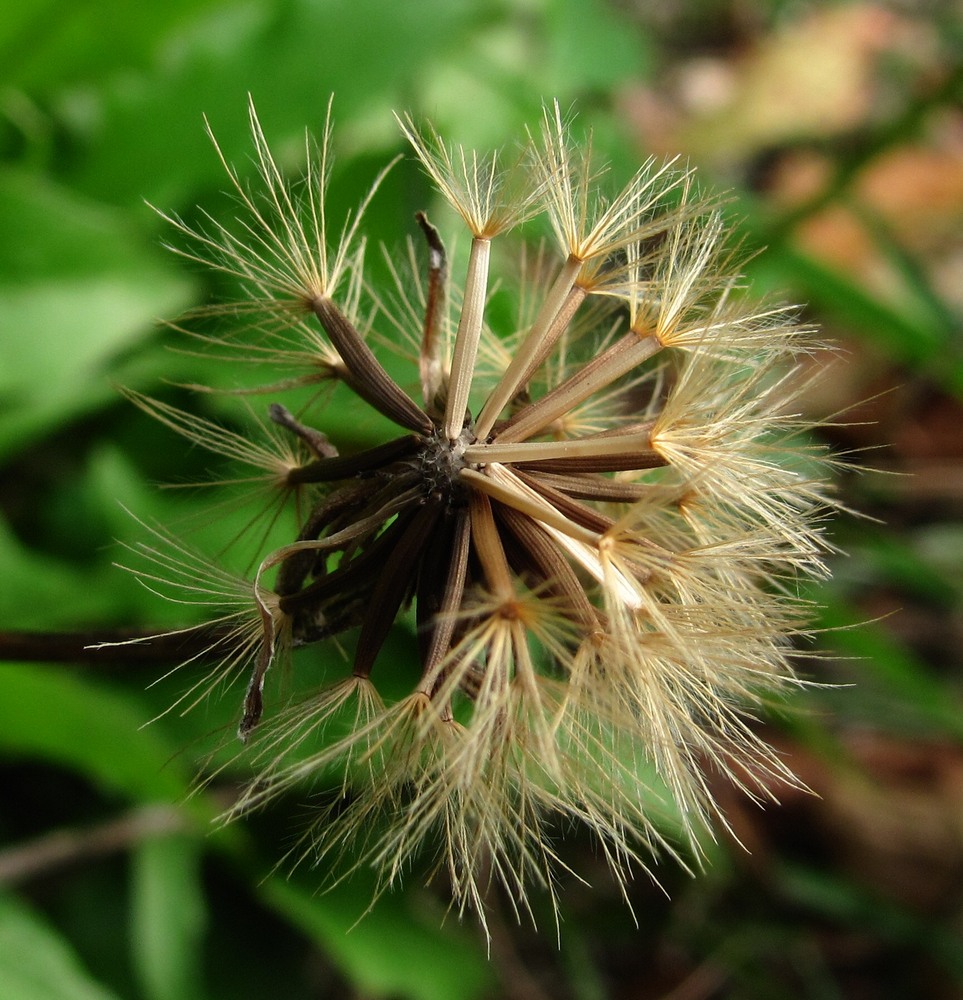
pixel 815 77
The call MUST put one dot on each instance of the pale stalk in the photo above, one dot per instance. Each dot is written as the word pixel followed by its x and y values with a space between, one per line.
pixel 545 330
pixel 468 336
pixel 618 360
pixel 538 451
pixel 582 544
pixel 587 556
pixel 488 546
pixel 500 484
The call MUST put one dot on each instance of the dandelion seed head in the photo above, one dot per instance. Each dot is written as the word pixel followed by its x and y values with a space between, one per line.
pixel 596 518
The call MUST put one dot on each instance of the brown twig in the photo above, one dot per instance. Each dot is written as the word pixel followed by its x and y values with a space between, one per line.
pixel 62 848
pixel 109 647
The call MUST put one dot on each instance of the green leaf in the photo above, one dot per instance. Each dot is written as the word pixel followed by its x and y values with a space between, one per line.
pixel 912 339
pixel 369 54
pixel 396 949
pixel 168 917
pixel 36 963
pixel 914 690
pixel 903 561
pixel 590 47
pixel 44 43
pixel 919 295
pixel 844 901
pixel 42 592
pixel 77 287
pixel 50 714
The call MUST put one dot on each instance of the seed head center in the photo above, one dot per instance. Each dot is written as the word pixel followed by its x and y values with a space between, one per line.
pixel 442 459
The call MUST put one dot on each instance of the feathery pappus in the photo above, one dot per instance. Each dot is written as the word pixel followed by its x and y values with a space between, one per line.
pixel 596 515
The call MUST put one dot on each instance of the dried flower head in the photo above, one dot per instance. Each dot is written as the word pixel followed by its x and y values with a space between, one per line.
pixel 599 516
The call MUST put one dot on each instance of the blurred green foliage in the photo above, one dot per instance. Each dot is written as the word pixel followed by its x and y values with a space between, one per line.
pixel 101 110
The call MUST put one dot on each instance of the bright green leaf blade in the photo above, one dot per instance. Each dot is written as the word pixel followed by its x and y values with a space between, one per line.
pixel 589 47
pixel 369 53
pixel 44 43
pixel 77 288
pixel 393 950
pixel 36 963
pixel 168 917
pixel 49 714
